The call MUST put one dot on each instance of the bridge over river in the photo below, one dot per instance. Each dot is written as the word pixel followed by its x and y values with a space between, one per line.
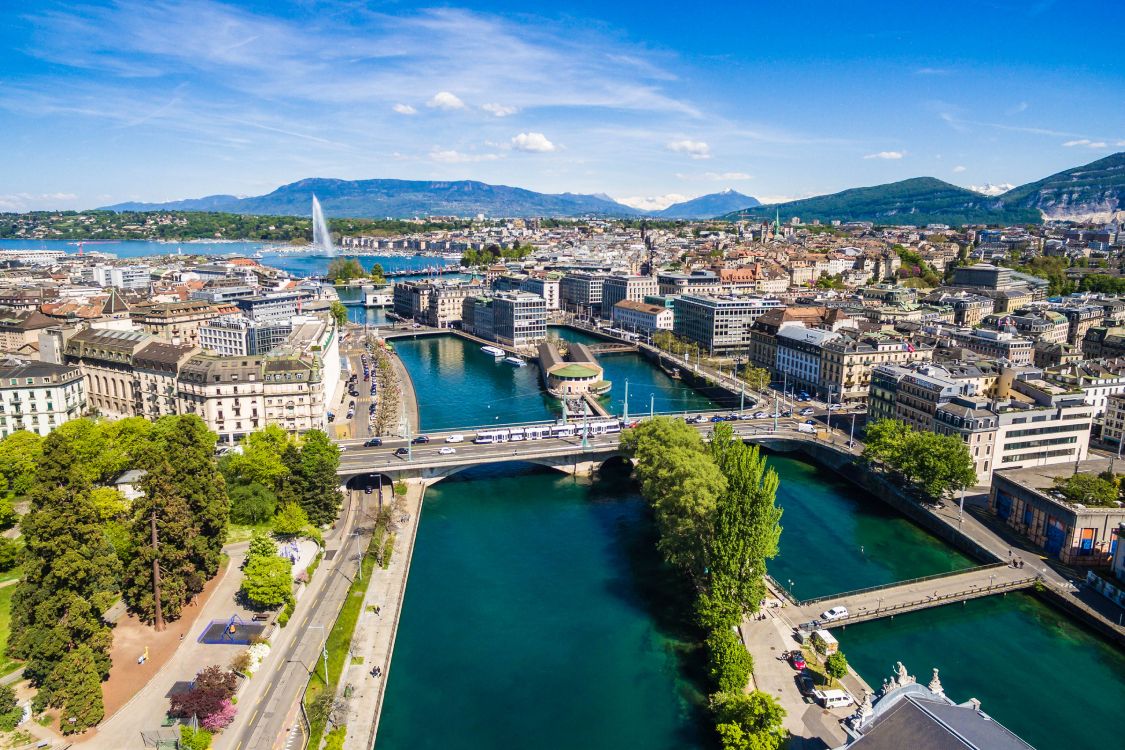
pixel 909 596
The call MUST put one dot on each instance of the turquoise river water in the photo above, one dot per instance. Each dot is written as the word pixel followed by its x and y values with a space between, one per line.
pixel 538 615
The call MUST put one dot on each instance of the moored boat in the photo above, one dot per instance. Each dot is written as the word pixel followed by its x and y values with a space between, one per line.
pixel 515 361
pixel 494 351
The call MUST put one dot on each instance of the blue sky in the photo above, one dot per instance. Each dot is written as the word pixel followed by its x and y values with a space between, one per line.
pixel 647 101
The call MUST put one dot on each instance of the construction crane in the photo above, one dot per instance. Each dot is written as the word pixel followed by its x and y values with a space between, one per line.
pixel 83 243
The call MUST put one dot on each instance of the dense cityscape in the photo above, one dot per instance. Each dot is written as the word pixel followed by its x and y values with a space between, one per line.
pixel 482 377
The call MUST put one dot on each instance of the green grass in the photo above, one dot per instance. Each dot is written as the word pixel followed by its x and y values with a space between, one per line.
pixel 11 575
pixel 340 638
pixel 7 666
pixel 237 532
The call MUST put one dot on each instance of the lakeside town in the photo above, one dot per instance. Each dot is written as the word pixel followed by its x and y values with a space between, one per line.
pixel 946 362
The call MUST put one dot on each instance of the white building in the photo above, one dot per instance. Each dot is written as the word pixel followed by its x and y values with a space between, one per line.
pixel 121 277
pixel 640 317
pixel 39 396
pixel 547 288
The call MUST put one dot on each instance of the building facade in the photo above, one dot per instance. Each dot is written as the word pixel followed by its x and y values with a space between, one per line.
pixel 39 396
pixel 721 326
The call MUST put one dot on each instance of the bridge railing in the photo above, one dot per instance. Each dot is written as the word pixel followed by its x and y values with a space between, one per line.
pixel 975 592
pixel 895 584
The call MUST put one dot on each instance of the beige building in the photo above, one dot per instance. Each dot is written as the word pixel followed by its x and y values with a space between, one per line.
pixel 106 359
pixel 177 322
pixel 39 396
pixel 157 368
pixel 19 330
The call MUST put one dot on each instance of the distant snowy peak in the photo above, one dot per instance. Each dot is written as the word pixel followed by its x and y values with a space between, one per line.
pixel 989 189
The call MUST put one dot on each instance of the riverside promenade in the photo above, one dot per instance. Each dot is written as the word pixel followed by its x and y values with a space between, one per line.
pixel 374 636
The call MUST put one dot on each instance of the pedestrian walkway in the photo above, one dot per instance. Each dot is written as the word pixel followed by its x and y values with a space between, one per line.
pixel 374 636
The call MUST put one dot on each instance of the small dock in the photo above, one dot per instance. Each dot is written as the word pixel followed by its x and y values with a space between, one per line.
pixel 921 593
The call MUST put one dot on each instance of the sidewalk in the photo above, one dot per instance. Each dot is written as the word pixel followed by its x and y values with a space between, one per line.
pixel 374 635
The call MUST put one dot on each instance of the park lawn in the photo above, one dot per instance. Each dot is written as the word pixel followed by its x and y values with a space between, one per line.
pixel 7 665
pixel 340 638
pixel 11 575
pixel 237 532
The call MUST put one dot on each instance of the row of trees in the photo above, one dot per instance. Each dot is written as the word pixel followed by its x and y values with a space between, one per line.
pixel 718 522
pixel 490 254
pixel 388 393
pixel 275 470
pixel 669 342
pixel 85 545
pixel 936 465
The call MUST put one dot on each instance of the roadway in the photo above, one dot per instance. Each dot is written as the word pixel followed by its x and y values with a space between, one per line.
pixel 358 459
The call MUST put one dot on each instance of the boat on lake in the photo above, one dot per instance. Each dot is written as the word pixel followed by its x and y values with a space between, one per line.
pixel 494 351
pixel 515 361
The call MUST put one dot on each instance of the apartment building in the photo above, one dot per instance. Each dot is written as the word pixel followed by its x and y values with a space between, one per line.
pixel 106 360
pixel 156 368
pixel 620 287
pixel 445 302
pixel 640 317
pixel 19 329
pixel 39 396
pixel 763 333
pixel 1039 325
pixel 121 277
pixel 719 325
pixel 1097 379
pixel 177 322
pixel 411 299
pixel 995 344
pixel 848 360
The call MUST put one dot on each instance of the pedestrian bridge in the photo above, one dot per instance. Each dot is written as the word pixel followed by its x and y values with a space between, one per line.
pixel 893 599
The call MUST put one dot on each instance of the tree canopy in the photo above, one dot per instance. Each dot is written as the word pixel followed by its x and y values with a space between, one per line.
pixel 935 465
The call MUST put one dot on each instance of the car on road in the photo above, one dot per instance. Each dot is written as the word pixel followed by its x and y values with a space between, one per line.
pixel 404 451
pixel 808 411
pixel 797 660
pixel 802 396
pixel 787 413
pixel 805 685
pixel 455 439
pixel 836 613
pixel 760 415
pixel 717 418
pixel 810 421
pixel 373 443
pixel 447 451
pixel 420 440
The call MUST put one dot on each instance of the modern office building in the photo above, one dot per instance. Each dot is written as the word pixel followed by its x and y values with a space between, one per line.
pixel 719 325
pixel 619 287
pixel 580 292
pixel 546 286
pixel 238 336
pixel 271 308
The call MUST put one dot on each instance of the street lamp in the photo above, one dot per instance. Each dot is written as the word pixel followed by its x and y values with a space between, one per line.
pixel 324 651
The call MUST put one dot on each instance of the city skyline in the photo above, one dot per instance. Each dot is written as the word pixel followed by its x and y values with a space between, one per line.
pixel 159 101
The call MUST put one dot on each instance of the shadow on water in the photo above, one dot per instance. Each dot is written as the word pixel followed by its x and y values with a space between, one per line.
pixel 647 584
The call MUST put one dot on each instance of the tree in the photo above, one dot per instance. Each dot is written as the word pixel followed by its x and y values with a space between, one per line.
pixel 260 459
pixel 748 721
pixel 1087 489
pixel 79 691
pixel 290 520
pixel 378 275
pixel 194 739
pixel 730 664
pixel 261 546
pixel 209 693
pixel 161 577
pixel 836 665
pixel 20 454
pixel 220 719
pixel 10 710
pixel 251 504
pixel 342 270
pixel 320 489
pixel 935 464
pixel 267 581
pixel 757 378
pixel 10 554
pixel 109 502
pixel 339 313
pixel 334 740
pixel 70 572
pixel 190 450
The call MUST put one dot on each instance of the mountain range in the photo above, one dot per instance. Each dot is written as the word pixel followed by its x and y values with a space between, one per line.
pixel 408 198
pixel 1094 192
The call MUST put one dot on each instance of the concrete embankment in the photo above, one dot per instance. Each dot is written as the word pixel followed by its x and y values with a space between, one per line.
pixel 373 640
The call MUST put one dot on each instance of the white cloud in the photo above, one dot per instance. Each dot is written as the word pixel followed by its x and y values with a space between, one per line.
pixel 959 168
pixel 445 100
pixel 404 109
pixel 19 202
pixel 500 110
pixel 694 149
pixel 652 202
pixel 534 142
pixel 450 156
pixel 886 155
pixel 715 176
pixel 1086 143
pixel 989 189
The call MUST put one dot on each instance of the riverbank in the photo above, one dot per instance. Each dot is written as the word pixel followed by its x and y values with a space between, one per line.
pixel 409 416
pixel 373 641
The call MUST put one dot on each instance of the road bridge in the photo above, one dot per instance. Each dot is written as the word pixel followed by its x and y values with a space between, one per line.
pixel 893 599
pixel 571 454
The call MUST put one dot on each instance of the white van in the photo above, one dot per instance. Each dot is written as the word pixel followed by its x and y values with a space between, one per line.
pixel 833 698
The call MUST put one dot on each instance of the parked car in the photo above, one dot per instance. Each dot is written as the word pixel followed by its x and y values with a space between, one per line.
pixel 373 443
pixel 797 660
pixel 760 415
pixel 836 613
pixel 805 685
pixel 447 451
pixel 420 440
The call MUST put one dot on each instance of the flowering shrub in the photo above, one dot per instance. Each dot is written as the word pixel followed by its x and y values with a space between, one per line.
pixel 219 720
pixel 257 653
